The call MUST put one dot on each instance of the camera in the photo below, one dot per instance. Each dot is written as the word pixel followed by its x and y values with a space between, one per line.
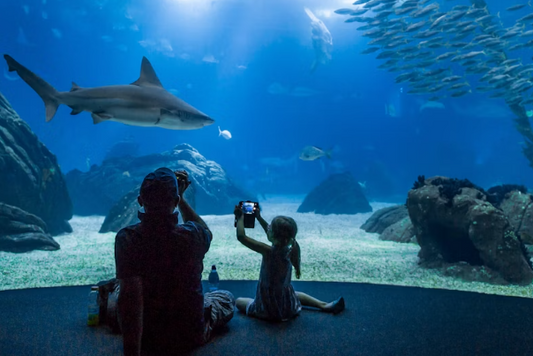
pixel 248 209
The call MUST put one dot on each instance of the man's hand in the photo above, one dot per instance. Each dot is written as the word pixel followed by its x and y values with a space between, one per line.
pixel 237 212
pixel 183 181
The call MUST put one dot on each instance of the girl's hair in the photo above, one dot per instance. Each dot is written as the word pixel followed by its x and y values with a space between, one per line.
pixel 284 230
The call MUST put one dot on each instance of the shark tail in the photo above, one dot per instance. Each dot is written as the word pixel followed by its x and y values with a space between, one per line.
pixel 47 92
pixel 219 132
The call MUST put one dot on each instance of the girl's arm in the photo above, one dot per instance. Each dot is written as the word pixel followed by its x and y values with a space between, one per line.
pixel 252 244
pixel 262 221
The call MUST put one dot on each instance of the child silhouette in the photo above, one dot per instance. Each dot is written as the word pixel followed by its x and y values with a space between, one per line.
pixel 275 297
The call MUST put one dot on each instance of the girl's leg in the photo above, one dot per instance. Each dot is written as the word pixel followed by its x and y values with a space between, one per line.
pixel 309 301
pixel 242 303
pixel 333 307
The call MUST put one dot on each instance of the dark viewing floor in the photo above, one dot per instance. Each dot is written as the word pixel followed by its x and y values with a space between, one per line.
pixel 378 320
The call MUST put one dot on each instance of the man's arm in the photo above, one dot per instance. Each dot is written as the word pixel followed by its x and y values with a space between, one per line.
pixel 130 308
pixel 188 214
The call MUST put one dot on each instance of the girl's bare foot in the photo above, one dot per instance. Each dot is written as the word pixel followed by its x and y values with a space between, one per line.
pixel 335 307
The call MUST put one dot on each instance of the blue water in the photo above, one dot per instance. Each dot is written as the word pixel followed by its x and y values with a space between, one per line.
pixel 222 57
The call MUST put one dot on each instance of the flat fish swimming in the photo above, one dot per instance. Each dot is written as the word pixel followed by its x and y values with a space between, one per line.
pixel 310 153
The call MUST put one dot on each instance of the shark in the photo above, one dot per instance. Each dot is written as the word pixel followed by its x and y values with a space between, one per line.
pixel 142 103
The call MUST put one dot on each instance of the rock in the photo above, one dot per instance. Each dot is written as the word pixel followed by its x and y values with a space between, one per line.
pixel 518 207
pixel 400 231
pixel 29 174
pixel 338 194
pixel 23 232
pixel 384 218
pixel 454 224
pixel 97 191
pixel 123 148
pixel 124 213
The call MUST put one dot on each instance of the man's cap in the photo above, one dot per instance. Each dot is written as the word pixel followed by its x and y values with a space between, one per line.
pixel 159 187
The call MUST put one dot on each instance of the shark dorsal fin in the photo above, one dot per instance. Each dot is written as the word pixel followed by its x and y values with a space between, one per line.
pixel 75 87
pixel 148 76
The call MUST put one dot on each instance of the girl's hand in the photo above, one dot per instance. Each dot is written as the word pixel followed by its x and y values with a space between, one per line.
pixel 257 212
pixel 237 212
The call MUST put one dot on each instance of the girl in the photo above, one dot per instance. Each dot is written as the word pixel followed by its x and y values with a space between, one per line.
pixel 275 298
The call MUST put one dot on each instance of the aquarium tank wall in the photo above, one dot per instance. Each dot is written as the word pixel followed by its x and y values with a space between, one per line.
pixel 397 134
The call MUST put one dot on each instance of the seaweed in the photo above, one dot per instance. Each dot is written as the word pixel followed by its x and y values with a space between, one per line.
pixel 496 194
pixel 420 182
pixel 449 188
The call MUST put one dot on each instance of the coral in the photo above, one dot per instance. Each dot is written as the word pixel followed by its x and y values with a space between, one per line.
pixel 449 188
pixel 496 194
pixel 420 182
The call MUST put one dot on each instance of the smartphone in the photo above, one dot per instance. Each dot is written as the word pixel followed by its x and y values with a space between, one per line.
pixel 248 208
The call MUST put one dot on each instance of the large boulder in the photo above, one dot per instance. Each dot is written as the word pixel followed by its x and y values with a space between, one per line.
pixel 518 207
pixel 400 231
pixel 385 217
pixel 23 232
pixel 29 174
pixel 338 194
pixel 392 223
pixel 454 222
pixel 95 192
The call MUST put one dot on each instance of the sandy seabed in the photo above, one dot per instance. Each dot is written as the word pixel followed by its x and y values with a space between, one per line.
pixel 334 248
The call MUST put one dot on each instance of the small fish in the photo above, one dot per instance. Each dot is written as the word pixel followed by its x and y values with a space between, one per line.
pixel 310 153
pixel 126 174
pixel 525 18
pixel 370 50
pixel 518 7
pixel 459 85
pixel 10 77
pixel 343 11
pixel 460 93
pixel 224 133
pixel 453 78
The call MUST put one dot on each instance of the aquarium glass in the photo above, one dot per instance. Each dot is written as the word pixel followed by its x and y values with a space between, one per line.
pixel 299 91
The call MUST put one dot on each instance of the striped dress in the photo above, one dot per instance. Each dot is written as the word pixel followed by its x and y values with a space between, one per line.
pixel 275 298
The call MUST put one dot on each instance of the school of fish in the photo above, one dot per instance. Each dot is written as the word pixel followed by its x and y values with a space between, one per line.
pixel 438 53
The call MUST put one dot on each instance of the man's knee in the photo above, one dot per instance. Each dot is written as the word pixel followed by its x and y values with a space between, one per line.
pixel 220 296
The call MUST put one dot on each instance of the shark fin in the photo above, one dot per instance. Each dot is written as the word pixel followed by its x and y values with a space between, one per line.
pixel 148 76
pixel 51 108
pixel 75 87
pixel 75 111
pixel 100 117
pixel 47 92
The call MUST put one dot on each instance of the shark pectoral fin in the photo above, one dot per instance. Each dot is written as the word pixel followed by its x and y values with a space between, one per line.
pixel 148 76
pixel 75 111
pixel 74 88
pixel 51 108
pixel 100 117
